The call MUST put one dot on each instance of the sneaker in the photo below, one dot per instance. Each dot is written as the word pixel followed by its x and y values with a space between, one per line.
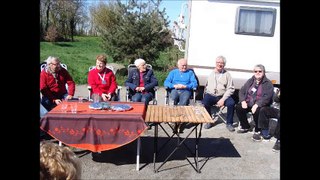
pixel 268 137
pixel 256 137
pixel 242 130
pixel 276 147
pixel 208 125
pixel 264 133
pixel 230 127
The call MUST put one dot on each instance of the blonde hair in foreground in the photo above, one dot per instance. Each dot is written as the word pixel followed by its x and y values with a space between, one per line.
pixel 58 162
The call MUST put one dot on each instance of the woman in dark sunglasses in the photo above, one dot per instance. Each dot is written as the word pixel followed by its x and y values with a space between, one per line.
pixel 257 92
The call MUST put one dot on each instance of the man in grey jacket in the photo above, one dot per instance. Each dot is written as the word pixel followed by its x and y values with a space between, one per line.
pixel 218 92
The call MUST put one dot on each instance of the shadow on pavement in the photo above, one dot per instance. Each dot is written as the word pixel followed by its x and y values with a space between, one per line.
pixel 209 148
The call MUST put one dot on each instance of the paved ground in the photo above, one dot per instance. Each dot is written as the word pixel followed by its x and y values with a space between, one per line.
pixel 222 154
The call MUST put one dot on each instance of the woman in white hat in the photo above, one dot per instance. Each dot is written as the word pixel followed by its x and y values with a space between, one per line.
pixel 141 82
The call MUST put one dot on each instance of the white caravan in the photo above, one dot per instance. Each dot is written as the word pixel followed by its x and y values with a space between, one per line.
pixel 246 32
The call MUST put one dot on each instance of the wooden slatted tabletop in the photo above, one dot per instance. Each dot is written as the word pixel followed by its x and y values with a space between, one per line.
pixel 188 114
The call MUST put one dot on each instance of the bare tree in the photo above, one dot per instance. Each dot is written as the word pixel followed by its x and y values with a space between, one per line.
pixel 44 16
pixel 63 15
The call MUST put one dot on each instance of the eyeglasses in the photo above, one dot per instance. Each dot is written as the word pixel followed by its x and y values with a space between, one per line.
pixel 100 63
pixel 219 62
pixel 58 64
pixel 258 71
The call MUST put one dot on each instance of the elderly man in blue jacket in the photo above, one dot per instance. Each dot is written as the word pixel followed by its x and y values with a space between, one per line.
pixel 181 81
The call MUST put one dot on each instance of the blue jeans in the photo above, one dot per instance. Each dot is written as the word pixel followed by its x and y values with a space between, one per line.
pixel 49 104
pixel 209 100
pixel 180 97
pixel 139 97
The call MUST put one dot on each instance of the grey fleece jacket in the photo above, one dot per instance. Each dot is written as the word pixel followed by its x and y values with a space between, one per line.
pixel 220 84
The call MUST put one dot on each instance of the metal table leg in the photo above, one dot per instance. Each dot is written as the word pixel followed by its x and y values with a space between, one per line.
pixel 180 142
pixel 138 154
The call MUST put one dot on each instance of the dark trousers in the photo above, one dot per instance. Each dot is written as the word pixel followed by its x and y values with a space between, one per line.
pixel 242 115
pixel 209 100
pixel 277 131
pixel 46 103
pixel 264 119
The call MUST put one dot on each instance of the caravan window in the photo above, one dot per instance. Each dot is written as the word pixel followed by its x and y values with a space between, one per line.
pixel 255 21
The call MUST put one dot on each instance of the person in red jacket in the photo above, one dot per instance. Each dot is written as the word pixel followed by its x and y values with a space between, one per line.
pixel 53 80
pixel 102 80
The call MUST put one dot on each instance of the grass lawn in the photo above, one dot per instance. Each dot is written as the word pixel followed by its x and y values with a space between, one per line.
pixel 81 54
pixel 78 55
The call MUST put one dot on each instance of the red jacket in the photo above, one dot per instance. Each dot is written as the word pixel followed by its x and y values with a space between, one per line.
pixel 95 81
pixel 52 89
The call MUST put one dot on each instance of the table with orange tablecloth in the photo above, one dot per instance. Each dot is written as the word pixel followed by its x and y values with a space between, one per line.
pixel 95 130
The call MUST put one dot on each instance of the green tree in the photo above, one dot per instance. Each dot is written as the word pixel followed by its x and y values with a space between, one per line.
pixel 132 30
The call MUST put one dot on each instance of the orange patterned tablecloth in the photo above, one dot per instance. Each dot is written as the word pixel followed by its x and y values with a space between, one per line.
pixel 95 130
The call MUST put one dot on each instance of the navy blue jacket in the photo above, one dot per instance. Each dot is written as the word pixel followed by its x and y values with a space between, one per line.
pixel 133 80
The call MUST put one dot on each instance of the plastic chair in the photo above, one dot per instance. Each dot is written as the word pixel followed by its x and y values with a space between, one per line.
pixel 276 90
pixel 218 113
pixel 129 92
pixel 90 89
pixel 64 66
pixel 43 65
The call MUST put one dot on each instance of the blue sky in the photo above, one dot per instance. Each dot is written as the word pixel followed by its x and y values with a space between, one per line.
pixel 173 8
